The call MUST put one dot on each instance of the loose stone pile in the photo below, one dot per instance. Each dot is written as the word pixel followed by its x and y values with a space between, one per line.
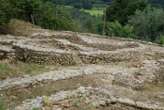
pixel 125 71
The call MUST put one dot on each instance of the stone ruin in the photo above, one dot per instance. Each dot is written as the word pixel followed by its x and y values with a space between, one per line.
pixel 123 64
pixel 68 48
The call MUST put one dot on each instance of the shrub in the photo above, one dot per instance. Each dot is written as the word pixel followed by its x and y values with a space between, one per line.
pixel 117 29
pixel 161 40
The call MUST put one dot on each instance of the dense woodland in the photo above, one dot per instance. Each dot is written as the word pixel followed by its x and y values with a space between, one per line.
pixel 140 19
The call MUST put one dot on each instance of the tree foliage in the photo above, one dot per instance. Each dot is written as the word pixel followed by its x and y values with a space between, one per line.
pixel 39 12
pixel 159 3
pixel 117 29
pixel 120 9
pixel 87 22
pixel 148 24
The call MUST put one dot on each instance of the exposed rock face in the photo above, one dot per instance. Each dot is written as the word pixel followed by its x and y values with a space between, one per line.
pixel 125 71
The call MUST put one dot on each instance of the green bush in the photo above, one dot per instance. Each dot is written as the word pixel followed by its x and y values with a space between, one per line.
pixel 161 40
pixel 117 29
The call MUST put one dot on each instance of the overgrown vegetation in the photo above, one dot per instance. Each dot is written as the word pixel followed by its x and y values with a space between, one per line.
pixel 120 10
pixel 148 24
pixel 49 15
pixel 161 40
pixel 38 12
pixel 135 19
pixel 117 29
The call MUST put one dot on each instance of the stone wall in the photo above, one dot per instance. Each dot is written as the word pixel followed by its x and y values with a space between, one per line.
pixel 44 57
pixel 69 48
pixel 63 57
pixel 109 57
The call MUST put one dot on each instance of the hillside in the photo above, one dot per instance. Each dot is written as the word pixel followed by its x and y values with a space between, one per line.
pixel 79 71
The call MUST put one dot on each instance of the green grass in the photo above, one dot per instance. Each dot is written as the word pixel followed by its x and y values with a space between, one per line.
pixel 94 11
pixel 18 69
pixel 2 105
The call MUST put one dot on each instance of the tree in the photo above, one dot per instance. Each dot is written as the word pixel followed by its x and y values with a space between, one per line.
pixel 120 10
pixel 159 3
pixel 87 4
pixel 87 22
pixel 21 9
pixel 5 11
pixel 148 24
